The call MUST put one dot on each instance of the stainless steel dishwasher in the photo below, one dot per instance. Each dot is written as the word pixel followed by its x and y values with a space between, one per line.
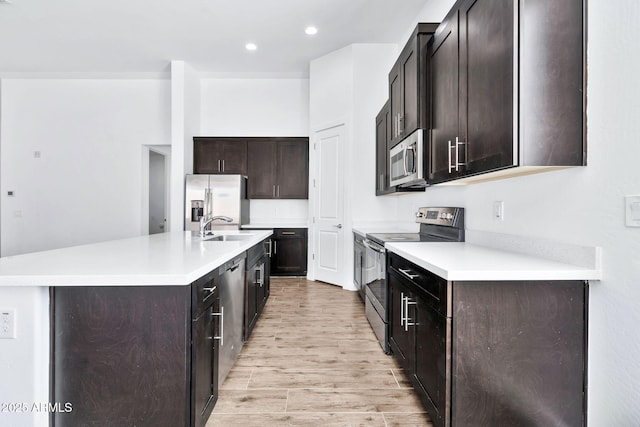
pixel 231 284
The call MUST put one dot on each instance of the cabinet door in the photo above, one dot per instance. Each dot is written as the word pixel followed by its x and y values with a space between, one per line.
pixel 219 155
pixel 431 359
pixel 234 156
pixel 289 252
pixel 444 101
pixel 486 84
pixel 251 301
pixel 204 375
pixel 395 99
pixel 207 155
pixel 401 335
pixel 409 69
pixel 292 175
pixel 261 169
pixel 382 153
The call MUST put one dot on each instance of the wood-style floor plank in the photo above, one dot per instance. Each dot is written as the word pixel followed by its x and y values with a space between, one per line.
pixel 313 360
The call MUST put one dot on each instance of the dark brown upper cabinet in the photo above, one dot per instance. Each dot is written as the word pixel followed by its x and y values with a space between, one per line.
pixel 278 168
pixel 408 81
pixel 383 141
pixel 220 155
pixel 506 88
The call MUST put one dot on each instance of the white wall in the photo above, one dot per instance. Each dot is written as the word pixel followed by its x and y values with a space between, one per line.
pixel 585 206
pixel 254 107
pixel 86 184
pixel 258 107
pixel 185 123
pixel 24 361
pixel 350 86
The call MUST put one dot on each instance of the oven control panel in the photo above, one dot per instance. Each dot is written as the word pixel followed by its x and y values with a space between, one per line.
pixel 439 216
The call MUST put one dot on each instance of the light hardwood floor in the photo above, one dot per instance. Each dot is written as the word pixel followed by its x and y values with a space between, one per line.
pixel 313 360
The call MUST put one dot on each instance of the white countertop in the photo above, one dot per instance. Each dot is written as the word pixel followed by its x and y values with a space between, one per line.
pixel 364 229
pixel 175 258
pixel 464 261
pixel 275 225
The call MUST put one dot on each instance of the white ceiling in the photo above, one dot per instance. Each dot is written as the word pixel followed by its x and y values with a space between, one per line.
pixel 143 36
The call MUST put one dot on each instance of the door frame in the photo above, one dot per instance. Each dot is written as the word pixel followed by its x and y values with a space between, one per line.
pixel 346 281
pixel 164 150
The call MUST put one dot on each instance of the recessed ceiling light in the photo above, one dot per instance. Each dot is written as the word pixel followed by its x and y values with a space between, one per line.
pixel 311 30
pixel 250 46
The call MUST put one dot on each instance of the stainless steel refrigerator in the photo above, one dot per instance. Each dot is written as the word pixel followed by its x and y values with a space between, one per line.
pixel 216 195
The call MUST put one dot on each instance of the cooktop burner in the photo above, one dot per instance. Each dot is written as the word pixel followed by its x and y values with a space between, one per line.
pixel 436 225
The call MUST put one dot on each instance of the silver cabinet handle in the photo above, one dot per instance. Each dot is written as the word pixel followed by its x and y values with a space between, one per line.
pixel 221 337
pixel 406 311
pixel 259 275
pixel 278 191
pixel 210 289
pixel 454 161
pixel 408 274
pixel 402 309
pixel 400 124
pixel 275 247
pixel 288 233
pixel 458 162
pixel 269 244
pixel 223 165
pixel 219 165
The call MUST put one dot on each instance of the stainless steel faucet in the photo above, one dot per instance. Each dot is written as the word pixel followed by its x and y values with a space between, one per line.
pixel 206 222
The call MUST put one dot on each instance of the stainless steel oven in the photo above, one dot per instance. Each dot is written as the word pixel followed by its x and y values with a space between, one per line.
pixel 374 283
pixel 441 224
pixel 406 160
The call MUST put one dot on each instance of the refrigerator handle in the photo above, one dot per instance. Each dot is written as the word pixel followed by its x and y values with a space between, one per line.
pixel 207 202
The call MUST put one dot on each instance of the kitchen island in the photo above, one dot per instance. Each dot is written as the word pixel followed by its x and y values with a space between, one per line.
pixel 158 269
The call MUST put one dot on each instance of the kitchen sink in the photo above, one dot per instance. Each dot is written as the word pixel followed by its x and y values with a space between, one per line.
pixel 227 237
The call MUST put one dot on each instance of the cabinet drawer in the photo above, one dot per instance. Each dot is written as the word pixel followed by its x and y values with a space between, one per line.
pixel 432 288
pixel 290 232
pixel 203 292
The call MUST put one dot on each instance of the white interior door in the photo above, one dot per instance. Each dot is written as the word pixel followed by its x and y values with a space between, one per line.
pixel 328 215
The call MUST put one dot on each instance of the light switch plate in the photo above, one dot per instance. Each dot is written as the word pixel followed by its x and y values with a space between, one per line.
pixel 632 211
pixel 498 210
pixel 7 323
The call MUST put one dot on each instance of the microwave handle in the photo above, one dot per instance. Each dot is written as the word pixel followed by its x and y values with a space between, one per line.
pixel 413 150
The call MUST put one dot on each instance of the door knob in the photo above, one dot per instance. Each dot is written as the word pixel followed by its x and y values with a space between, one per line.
pixel 338 226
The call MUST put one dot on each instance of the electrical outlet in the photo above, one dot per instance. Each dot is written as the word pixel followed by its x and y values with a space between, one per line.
pixel 498 210
pixel 7 323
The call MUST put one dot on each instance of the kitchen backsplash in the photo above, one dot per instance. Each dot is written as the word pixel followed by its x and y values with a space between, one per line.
pixel 271 211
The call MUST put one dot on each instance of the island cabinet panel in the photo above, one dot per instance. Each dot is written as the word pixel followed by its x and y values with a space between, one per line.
pixel 121 355
pixel 483 353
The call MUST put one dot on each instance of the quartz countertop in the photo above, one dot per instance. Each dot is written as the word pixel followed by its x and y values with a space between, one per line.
pixel 468 262
pixel 175 258
pixel 364 229
pixel 267 225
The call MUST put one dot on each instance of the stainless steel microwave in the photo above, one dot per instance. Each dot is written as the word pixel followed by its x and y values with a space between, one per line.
pixel 406 161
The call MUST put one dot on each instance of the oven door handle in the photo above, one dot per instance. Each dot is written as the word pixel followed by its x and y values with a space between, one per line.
pixel 367 244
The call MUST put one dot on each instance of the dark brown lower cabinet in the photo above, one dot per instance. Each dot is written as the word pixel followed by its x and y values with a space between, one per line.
pixel 135 355
pixel 491 353
pixel 289 254
pixel 256 285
